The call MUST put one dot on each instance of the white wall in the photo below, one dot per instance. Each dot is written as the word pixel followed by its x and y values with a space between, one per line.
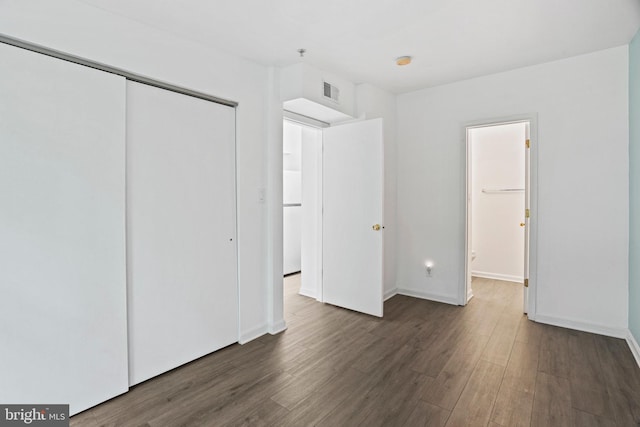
pixel 582 224
pixel 89 32
pixel 291 147
pixel 291 194
pixel 304 81
pixel 291 163
pixel 373 103
pixel 497 162
pixel 634 194
pixel 311 212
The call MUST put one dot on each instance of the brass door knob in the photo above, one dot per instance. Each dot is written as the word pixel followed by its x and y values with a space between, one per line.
pixel 376 227
pixel 522 224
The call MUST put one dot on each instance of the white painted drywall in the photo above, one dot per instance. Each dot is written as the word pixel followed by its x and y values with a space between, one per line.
pixel 497 163
pixel 634 193
pixel 304 81
pixel 292 239
pixel 311 212
pixel 63 302
pixel 307 108
pixel 291 194
pixel 273 259
pixel 372 103
pixel 291 147
pixel 582 224
pixel 291 187
pixel 89 32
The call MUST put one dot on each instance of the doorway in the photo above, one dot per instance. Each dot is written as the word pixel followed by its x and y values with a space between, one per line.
pixel 302 190
pixel 338 190
pixel 498 204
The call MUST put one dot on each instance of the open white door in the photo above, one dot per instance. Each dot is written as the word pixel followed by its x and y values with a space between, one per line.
pixel 527 209
pixel 353 216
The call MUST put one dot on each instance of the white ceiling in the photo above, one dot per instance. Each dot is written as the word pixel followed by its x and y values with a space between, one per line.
pixel 450 40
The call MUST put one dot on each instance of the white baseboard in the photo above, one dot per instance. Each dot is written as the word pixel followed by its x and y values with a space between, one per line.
pixel 633 345
pixel 469 293
pixel 279 326
pixel 307 293
pixel 496 276
pixel 429 296
pixel 251 335
pixel 390 293
pixel 581 326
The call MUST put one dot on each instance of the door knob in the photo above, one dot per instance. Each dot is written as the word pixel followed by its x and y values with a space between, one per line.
pixel 522 224
pixel 376 227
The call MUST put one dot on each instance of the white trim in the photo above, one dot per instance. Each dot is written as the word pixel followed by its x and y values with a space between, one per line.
pixel 469 293
pixel 279 326
pixel 390 294
pixel 304 120
pixel 33 47
pixel 581 326
pixel 447 299
pixel 497 276
pixel 253 334
pixel 310 293
pixel 633 345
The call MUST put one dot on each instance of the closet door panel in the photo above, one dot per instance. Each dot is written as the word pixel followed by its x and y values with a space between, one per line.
pixel 63 335
pixel 182 284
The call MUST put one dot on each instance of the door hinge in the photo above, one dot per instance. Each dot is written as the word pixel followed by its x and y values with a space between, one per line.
pixel 527 143
pixel 526 283
pixel 527 213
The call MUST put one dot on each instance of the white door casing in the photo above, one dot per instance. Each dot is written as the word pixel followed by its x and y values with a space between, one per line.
pixel 527 210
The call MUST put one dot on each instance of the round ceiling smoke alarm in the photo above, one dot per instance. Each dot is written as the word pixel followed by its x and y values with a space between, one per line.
pixel 403 60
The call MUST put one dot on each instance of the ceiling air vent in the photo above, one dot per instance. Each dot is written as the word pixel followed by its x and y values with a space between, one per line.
pixel 332 92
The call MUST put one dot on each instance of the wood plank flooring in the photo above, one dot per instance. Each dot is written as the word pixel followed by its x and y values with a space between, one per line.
pixel 423 364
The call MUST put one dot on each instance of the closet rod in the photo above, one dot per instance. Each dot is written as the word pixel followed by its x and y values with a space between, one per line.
pixel 113 70
pixel 502 190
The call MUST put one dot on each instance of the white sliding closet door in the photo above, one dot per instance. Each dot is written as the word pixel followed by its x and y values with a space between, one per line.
pixel 181 238
pixel 63 336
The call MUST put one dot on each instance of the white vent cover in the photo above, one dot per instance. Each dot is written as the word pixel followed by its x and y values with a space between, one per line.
pixel 332 92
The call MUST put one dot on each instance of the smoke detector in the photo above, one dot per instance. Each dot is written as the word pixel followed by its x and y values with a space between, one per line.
pixel 403 60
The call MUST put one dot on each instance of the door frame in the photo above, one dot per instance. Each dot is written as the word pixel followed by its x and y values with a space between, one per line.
pixel 532 118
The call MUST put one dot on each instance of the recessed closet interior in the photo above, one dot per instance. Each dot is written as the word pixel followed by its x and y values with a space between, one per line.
pixel 497 202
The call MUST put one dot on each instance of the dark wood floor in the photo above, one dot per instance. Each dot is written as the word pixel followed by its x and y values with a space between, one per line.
pixel 423 364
